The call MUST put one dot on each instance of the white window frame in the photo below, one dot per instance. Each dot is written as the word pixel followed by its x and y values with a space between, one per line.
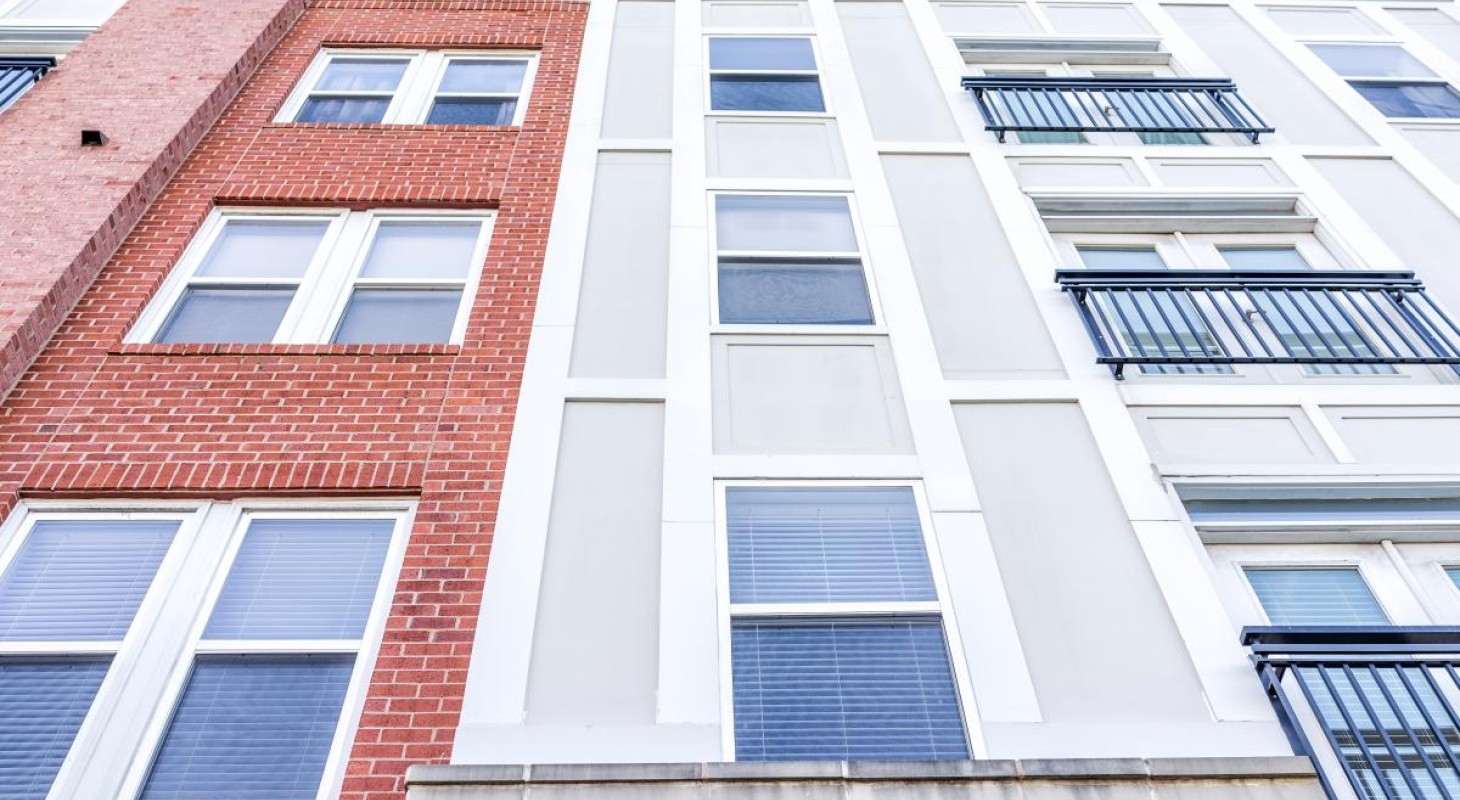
pixel 324 288
pixel 828 110
pixel 940 609
pixel 876 326
pixel 413 97
pixel 1437 76
pixel 188 583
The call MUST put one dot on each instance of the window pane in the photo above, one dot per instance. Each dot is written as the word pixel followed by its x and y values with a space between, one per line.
pixel 766 93
pixel 1413 100
pixel 358 110
pixel 42 705
pixel 1371 61
pixel 791 293
pixel 1171 138
pixel 1121 258
pixel 1454 573
pixel 784 222
pixel 1263 258
pixel 362 75
pixel 244 316
pixel 466 111
pixel 761 53
pixel 302 579
pixel 263 249
pixel 483 76
pixel 833 545
pixel 1315 597
pixel 1316 325
pixel 1049 137
pixel 399 316
pixel 844 691
pixel 80 580
pixel 251 728
pixel 422 250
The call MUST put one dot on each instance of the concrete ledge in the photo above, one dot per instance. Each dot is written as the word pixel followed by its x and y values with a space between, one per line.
pixel 1134 770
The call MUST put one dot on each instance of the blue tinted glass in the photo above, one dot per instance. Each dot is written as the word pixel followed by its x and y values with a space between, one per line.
pixel 1315 597
pixel 399 316
pixel 844 692
pixel 42 705
pixel 832 545
pixel 302 579
pixel 735 53
pixel 1171 138
pixel 343 109
pixel 1050 137
pixel 257 248
pixel 769 222
pixel 362 75
pixel 247 316
pixel 80 580
pixel 472 75
pixel 1371 61
pixel 788 293
pixel 470 111
pixel 251 728
pixel 1263 258
pixel 1412 100
pixel 1120 258
pixel 766 93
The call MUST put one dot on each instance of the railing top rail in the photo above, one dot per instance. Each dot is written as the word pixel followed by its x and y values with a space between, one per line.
pixel 1382 638
pixel 1113 84
pixel 27 62
pixel 1177 278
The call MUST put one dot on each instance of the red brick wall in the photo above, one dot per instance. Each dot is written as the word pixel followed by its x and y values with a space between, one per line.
pixel 96 418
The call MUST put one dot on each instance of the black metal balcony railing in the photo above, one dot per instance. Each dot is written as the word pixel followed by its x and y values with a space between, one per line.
pixel 19 74
pixel 1345 322
pixel 1374 705
pixel 1115 105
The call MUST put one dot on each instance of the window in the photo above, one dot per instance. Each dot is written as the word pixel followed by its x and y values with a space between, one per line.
pixel 838 649
pixel 789 259
pixel 18 74
pixel 1315 596
pixel 1394 81
pixel 764 74
pixel 413 87
pixel 1259 258
pixel 345 277
pixel 1041 108
pixel 254 699
pixel 1138 108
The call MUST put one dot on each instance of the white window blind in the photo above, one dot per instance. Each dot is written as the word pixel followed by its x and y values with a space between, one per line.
pixel 80 580
pixel 42 704
pixel 845 690
pixel 840 544
pixel 302 579
pixel 1315 596
pixel 252 727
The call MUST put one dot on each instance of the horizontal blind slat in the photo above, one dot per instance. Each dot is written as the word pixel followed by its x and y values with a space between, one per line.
pixel 42 705
pixel 1307 596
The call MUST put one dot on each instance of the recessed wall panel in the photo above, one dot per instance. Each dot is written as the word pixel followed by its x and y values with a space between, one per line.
pixel 1033 172
pixel 1323 21
pixel 1092 19
pixel 1400 435
pixel 1441 145
pixel 1077 580
pixel 742 148
pixel 979 307
pixel 638 92
pixel 963 16
pixel 903 100
pixel 756 14
pixel 1441 29
pixel 595 651
pixel 1210 435
pixel 1219 172
pixel 807 396
pixel 622 303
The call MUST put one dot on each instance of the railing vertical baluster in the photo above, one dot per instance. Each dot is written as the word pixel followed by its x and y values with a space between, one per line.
pixel 1348 719
pixel 1206 325
pixel 1409 733
pixel 1175 334
pixel 1419 704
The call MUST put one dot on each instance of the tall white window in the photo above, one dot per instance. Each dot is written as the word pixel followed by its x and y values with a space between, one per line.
pixel 789 259
pixel 413 87
pixel 764 73
pixel 381 277
pixel 226 645
pixel 837 639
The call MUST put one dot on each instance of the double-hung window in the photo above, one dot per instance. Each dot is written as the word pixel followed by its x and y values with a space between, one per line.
pixel 764 73
pixel 375 277
pixel 413 87
pixel 789 259
pixel 1394 81
pixel 226 646
pixel 837 637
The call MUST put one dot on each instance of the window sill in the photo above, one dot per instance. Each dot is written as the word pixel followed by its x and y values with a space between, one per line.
pixel 394 126
pixel 233 349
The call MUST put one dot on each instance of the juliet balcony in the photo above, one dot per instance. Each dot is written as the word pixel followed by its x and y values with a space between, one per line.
pixel 1375 708
pixel 1204 321
pixel 1114 105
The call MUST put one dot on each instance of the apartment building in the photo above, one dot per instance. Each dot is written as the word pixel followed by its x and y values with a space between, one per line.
pixel 269 271
pixel 987 398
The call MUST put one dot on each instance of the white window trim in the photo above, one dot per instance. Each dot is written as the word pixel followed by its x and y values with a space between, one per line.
pixel 413 96
pixel 324 288
pixel 877 326
pixel 940 609
pixel 136 665
pixel 1437 77
pixel 828 110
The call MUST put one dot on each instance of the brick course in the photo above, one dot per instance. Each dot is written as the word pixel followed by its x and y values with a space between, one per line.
pixel 93 417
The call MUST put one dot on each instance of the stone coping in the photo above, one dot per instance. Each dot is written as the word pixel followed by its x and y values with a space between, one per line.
pixel 1071 769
